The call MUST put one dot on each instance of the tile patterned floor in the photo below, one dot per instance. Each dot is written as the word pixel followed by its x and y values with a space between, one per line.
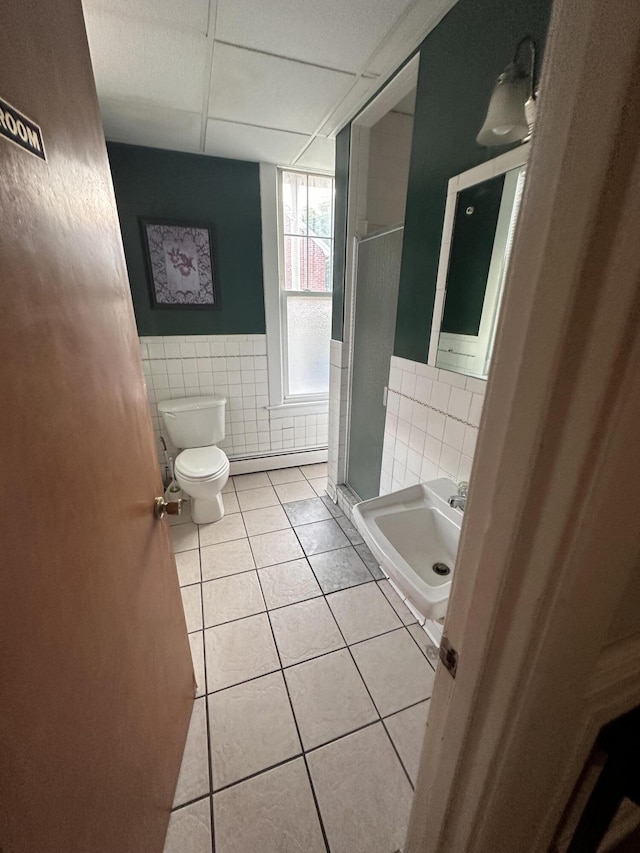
pixel 313 679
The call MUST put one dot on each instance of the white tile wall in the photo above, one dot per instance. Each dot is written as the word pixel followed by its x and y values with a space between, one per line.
pixel 234 366
pixel 338 389
pixel 431 424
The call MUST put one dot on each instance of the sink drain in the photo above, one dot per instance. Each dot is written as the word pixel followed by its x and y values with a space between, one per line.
pixel 441 569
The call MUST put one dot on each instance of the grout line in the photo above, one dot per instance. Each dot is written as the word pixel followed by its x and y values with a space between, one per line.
pixel 194 357
pixel 253 775
pixel 345 734
pixel 206 689
pixel 232 574
pixel 407 708
pixel 245 681
pixel 267 609
pixel 305 752
pixel 406 772
pixel 206 708
pixel 281 606
pixel 433 409
pixel 281 670
pixel 393 746
pixel 299 663
pixel 295 721
pixel 187 585
pixel 191 802
pixel 209 762
pixel 355 663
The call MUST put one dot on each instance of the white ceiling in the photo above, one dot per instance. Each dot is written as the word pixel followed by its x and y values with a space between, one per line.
pixel 263 80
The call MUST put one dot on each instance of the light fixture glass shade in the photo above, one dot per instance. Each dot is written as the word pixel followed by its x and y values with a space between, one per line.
pixel 506 121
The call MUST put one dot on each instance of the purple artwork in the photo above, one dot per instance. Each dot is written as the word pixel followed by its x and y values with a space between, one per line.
pixel 180 265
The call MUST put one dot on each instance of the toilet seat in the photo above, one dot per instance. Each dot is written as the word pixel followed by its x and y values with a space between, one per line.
pixel 199 464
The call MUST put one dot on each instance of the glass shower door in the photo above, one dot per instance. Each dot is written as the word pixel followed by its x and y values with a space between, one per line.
pixel 378 260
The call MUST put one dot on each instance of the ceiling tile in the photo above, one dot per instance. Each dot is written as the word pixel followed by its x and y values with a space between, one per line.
pixel 333 33
pixel 357 97
pixel 265 90
pixel 189 15
pixel 421 18
pixel 158 64
pixel 148 124
pixel 244 142
pixel 321 154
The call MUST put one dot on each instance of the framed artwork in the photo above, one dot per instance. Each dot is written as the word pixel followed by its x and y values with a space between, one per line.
pixel 180 263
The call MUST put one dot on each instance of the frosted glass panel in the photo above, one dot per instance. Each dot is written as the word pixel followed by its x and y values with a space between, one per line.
pixel 308 334
pixel 378 279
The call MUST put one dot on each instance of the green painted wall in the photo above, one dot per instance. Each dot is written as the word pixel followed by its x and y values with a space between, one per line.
pixel 459 64
pixel 188 187
pixel 343 142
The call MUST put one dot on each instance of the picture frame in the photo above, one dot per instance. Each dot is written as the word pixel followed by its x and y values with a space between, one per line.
pixel 180 259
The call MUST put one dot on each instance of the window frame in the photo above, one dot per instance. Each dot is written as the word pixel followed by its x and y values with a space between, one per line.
pixel 285 397
pixel 284 295
pixel 269 207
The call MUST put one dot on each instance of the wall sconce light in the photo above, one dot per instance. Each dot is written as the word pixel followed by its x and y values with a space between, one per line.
pixel 512 108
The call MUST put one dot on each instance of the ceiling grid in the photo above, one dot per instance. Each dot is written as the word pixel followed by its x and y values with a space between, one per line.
pixel 270 82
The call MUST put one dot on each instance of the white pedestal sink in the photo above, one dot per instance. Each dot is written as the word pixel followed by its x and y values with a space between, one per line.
pixel 414 535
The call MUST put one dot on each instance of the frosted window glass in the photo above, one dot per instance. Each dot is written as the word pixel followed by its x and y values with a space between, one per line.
pixel 308 335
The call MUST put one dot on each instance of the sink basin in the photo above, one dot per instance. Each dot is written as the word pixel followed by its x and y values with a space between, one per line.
pixel 414 535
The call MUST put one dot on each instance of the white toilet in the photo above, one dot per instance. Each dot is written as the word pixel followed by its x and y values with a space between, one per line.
pixel 196 424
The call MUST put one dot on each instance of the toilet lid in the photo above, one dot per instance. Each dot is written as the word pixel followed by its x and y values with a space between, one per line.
pixel 201 463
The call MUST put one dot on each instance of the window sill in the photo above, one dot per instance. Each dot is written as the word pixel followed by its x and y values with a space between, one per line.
pixel 287 410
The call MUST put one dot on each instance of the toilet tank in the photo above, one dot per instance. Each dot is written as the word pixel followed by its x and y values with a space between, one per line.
pixel 194 421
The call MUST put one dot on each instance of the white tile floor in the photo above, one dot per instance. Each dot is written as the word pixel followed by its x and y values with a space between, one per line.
pixel 313 679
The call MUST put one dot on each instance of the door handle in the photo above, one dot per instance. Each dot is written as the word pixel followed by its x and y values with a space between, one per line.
pixel 162 508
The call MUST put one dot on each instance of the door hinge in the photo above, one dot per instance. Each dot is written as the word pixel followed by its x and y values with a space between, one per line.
pixel 448 656
pixel 384 396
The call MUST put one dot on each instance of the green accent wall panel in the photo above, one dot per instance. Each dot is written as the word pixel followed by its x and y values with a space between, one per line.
pixel 459 64
pixel 153 183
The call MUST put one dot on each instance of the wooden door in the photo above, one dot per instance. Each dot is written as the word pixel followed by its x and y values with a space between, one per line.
pixel 96 680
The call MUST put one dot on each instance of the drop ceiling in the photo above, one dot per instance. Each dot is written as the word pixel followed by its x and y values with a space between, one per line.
pixel 265 80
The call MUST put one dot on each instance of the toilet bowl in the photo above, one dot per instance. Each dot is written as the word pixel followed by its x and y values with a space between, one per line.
pixel 202 473
pixel 196 424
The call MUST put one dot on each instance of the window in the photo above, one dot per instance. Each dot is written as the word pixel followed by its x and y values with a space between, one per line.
pixel 306 280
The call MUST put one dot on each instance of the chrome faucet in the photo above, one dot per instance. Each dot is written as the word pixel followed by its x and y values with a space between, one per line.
pixel 459 501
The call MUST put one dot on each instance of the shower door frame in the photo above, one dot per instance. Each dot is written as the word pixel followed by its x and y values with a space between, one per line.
pixel 352 340
pixel 400 85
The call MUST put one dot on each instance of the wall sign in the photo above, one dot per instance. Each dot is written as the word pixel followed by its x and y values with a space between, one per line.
pixel 16 127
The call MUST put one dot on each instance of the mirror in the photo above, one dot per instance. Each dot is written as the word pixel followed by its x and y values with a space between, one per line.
pixel 480 216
